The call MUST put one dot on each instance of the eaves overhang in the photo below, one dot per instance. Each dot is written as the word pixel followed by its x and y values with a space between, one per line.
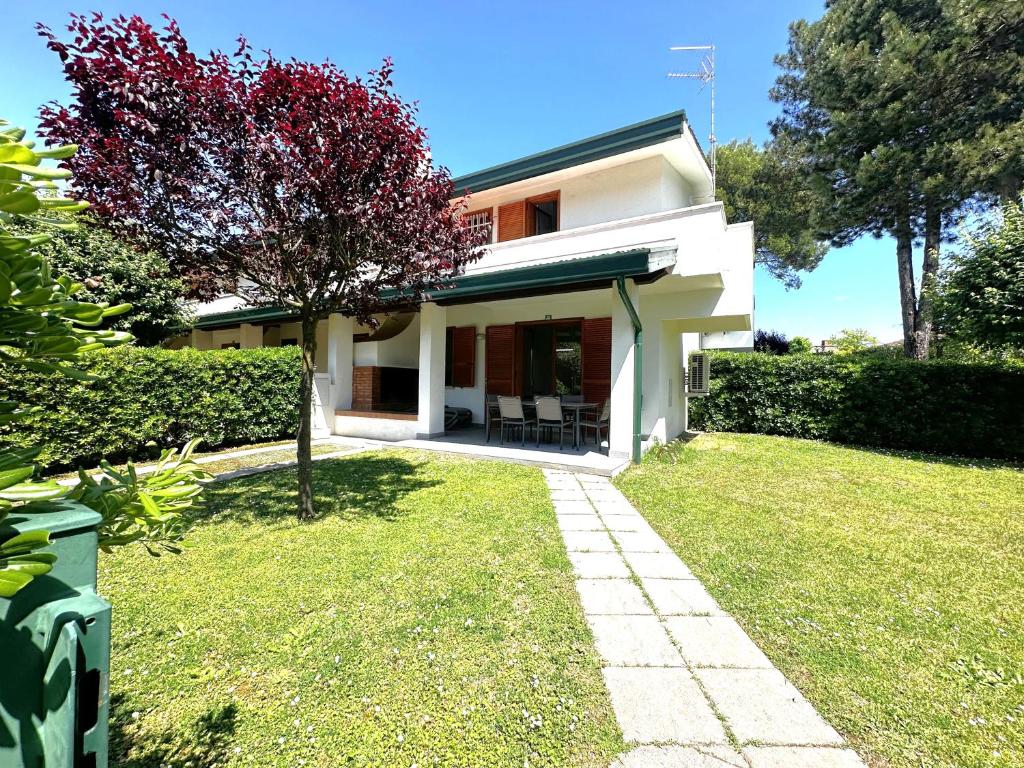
pixel 536 280
pixel 636 136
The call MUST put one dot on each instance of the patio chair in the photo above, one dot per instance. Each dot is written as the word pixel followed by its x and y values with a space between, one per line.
pixel 597 422
pixel 550 415
pixel 490 411
pixel 511 414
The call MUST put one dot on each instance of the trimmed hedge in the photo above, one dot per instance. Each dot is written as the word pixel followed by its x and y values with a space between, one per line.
pixel 147 397
pixel 968 409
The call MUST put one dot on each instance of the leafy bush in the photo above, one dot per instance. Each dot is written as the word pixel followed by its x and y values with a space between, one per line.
pixel 936 406
pixel 146 397
pixel 771 342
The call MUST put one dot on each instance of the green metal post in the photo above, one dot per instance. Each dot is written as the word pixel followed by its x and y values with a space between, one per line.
pixel 638 364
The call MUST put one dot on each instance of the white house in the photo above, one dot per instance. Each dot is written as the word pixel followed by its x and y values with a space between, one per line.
pixel 609 262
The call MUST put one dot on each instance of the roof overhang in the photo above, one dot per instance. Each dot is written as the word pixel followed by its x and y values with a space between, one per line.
pixel 566 276
pixel 622 145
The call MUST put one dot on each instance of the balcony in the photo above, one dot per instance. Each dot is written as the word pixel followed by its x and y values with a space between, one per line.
pixel 694 232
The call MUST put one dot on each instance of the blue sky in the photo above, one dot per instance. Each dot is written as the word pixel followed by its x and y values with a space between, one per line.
pixel 494 85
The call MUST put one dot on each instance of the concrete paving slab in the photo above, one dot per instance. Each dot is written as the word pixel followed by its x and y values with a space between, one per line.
pixel 715 641
pixel 657 565
pixel 598 565
pixel 614 507
pixel 802 757
pixel 626 523
pixel 588 541
pixel 711 756
pixel 579 523
pixel 658 705
pixel 675 597
pixel 574 507
pixel 633 641
pixel 567 494
pixel 612 597
pixel 640 541
pixel 761 705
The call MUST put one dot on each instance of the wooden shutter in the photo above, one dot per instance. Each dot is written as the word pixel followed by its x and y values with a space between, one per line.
pixel 463 356
pixel 597 359
pixel 512 221
pixel 500 357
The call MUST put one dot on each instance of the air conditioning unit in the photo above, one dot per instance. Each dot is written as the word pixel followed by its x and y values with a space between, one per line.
pixel 698 375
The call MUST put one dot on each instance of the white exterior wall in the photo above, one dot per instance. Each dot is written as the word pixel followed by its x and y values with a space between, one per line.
pixel 402 351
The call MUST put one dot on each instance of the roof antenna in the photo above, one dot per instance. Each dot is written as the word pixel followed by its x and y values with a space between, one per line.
pixel 706 75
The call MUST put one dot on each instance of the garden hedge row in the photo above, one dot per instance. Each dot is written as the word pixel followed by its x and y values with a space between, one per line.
pixel 164 397
pixel 967 409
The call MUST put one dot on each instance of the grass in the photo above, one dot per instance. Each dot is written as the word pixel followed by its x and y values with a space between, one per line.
pixel 427 618
pixel 267 457
pixel 889 588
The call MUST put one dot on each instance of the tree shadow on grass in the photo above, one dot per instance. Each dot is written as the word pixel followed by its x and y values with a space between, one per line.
pixel 204 744
pixel 364 485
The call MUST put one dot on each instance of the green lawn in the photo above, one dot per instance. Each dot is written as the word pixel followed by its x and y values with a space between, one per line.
pixel 889 588
pixel 428 618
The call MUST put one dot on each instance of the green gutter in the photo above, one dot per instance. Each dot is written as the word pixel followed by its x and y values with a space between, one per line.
pixel 638 364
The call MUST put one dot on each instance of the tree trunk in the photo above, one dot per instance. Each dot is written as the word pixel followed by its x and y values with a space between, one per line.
pixel 929 277
pixel 306 510
pixel 908 299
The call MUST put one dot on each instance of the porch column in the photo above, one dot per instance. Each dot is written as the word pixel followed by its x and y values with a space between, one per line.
pixel 431 391
pixel 339 360
pixel 250 336
pixel 620 438
pixel 202 339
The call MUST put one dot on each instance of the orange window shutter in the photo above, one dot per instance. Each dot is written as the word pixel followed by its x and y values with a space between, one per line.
pixel 500 360
pixel 512 221
pixel 597 359
pixel 464 356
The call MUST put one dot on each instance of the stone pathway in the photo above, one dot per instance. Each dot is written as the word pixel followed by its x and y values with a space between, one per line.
pixel 689 688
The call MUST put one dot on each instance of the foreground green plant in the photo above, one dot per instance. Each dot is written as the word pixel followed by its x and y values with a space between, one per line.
pixel 45 330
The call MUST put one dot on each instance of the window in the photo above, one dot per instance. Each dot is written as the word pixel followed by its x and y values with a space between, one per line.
pixel 460 356
pixel 230 345
pixel 542 214
pixel 289 342
pixel 479 221
pixel 533 216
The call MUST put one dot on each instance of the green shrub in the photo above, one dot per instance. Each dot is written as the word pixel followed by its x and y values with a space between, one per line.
pixel 936 406
pixel 143 399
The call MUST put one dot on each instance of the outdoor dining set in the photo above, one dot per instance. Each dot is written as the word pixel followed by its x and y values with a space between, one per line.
pixel 566 415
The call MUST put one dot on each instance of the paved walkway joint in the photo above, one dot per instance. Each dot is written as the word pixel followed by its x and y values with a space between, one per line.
pixel 689 688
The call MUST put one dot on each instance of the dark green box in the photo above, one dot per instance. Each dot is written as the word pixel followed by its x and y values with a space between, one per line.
pixel 55 651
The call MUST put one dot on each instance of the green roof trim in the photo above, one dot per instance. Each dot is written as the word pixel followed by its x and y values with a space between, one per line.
pixel 636 136
pixel 542 278
pixel 250 315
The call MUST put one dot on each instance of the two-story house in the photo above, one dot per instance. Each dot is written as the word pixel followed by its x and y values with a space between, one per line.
pixel 608 261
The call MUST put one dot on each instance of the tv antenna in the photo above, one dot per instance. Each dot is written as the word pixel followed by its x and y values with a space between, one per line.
pixel 705 75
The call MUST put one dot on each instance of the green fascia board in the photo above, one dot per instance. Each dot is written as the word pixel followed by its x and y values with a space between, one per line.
pixel 238 316
pixel 544 276
pixel 636 136
pixel 609 266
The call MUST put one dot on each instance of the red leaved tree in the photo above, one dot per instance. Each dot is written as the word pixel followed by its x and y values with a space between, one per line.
pixel 286 182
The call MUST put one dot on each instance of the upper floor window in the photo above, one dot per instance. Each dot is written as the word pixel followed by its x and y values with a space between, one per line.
pixel 524 218
pixel 542 214
pixel 479 221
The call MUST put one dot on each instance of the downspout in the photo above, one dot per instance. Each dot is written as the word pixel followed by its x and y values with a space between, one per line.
pixel 638 364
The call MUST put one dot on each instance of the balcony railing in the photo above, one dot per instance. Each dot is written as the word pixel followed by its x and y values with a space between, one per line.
pixel 654 231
